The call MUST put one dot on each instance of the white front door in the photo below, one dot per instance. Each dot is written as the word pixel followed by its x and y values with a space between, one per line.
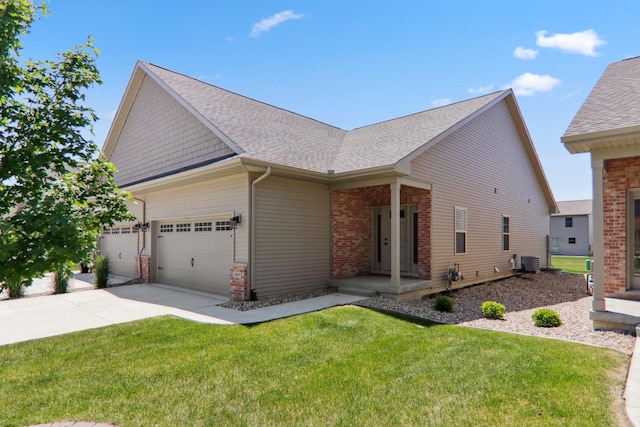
pixel 382 239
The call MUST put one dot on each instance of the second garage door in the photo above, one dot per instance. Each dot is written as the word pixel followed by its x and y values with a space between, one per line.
pixel 195 254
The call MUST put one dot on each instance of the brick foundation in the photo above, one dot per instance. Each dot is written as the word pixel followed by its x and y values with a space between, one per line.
pixel 621 175
pixel 238 282
pixel 145 263
pixel 351 223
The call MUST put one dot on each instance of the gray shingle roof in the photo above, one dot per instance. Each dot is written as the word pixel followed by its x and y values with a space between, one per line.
pixel 574 207
pixel 614 102
pixel 272 134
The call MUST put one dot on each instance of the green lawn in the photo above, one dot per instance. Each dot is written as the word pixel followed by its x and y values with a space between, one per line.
pixel 343 366
pixel 570 264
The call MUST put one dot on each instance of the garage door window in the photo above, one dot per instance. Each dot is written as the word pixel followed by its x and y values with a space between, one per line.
pixel 126 230
pixel 202 226
pixel 224 225
pixel 115 230
pixel 106 230
pixel 166 228
pixel 183 228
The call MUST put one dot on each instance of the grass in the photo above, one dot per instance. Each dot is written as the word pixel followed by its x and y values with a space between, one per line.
pixel 343 366
pixel 570 264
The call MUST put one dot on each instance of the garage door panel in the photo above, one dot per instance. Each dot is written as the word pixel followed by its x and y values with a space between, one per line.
pixel 119 243
pixel 195 255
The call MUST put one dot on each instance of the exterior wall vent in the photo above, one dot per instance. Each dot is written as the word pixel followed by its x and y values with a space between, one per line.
pixel 530 264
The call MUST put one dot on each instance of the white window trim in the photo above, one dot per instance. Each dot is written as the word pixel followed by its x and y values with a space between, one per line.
pixel 507 233
pixel 459 230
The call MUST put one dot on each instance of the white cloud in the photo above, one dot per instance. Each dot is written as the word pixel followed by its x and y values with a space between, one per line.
pixel 522 53
pixel 583 42
pixel 440 102
pixel 480 90
pixel 273 21
pixel 528 84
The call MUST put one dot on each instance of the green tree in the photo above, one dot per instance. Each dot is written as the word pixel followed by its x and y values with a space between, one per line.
pixel 55 190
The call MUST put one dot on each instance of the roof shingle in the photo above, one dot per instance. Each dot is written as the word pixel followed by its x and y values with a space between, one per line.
pixel 613 103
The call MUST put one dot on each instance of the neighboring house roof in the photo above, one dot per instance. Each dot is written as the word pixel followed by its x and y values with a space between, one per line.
pixel 574 208
pixel 610 111
pixel 275 136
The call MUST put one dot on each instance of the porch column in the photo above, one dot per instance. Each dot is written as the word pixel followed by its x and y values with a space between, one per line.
pixel 598 235
pixel 395 233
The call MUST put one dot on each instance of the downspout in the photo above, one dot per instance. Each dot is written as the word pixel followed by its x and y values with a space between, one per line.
pixel 252 295
pixel 144 237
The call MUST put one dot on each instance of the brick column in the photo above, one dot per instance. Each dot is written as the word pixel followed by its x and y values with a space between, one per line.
pixel 145 263
pixel 238 282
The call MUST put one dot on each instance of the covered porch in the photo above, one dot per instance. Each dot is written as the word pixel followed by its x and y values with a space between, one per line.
pixel 381 237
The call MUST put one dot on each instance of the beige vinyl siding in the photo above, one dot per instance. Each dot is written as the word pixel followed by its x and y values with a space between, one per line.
pixel 292 236
pixel 483 167
pixel 212 198
pixel 160 136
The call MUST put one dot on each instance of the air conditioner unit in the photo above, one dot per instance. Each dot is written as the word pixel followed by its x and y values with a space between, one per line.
pixel 530 264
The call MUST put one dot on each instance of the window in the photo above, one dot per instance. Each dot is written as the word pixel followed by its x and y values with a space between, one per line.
pixel 568 222
pixel 505 233
pixel 202 226
pixel 461 230
pixel 115 230
pixel 183 228
pixel 125 230
pixel 572 240
pixel 223 225
pixel 166 228
pixel 106 230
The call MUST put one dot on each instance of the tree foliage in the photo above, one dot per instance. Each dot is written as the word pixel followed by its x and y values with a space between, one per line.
pixel 55 191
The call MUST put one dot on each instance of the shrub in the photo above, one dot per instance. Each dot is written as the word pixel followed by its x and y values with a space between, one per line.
pixel 546 318
pixel 443 303
pixel 102 270
pixel 493 310
pixel 61 280
pixel 16 290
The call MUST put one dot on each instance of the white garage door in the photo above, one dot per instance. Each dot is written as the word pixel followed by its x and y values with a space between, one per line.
pixel 120 243
pixel 195 254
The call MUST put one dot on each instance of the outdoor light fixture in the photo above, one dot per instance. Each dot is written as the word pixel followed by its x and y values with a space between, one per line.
pixel 235 221
pixel 141 226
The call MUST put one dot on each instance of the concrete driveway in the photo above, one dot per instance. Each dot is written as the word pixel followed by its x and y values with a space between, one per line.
pixel 45 316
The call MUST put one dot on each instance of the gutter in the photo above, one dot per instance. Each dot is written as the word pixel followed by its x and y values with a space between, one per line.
pixel 144 237
pixel 252 291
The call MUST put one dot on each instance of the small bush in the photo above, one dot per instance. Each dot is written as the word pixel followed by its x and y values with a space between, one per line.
pixel 16 290
pixel 61 280
pixel 102 270
pixel 443 303
pixel 493 310
pixel 546 318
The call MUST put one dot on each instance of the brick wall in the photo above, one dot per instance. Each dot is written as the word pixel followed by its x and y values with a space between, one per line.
pixel 620 175
pixel 238 282
pixel 352 236
pixel 145 263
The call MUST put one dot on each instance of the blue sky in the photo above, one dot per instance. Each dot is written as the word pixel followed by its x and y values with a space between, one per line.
pixel 355 63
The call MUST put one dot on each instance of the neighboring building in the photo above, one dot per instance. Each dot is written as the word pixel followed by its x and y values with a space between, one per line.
pixel 608 126
pixel 242 198
pixel 572 228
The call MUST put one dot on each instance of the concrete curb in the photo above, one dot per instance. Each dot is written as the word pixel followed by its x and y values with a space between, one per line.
pixel 632 389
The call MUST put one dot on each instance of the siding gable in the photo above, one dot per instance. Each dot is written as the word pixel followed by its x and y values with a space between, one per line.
pixel 485 168
pixel 160 137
